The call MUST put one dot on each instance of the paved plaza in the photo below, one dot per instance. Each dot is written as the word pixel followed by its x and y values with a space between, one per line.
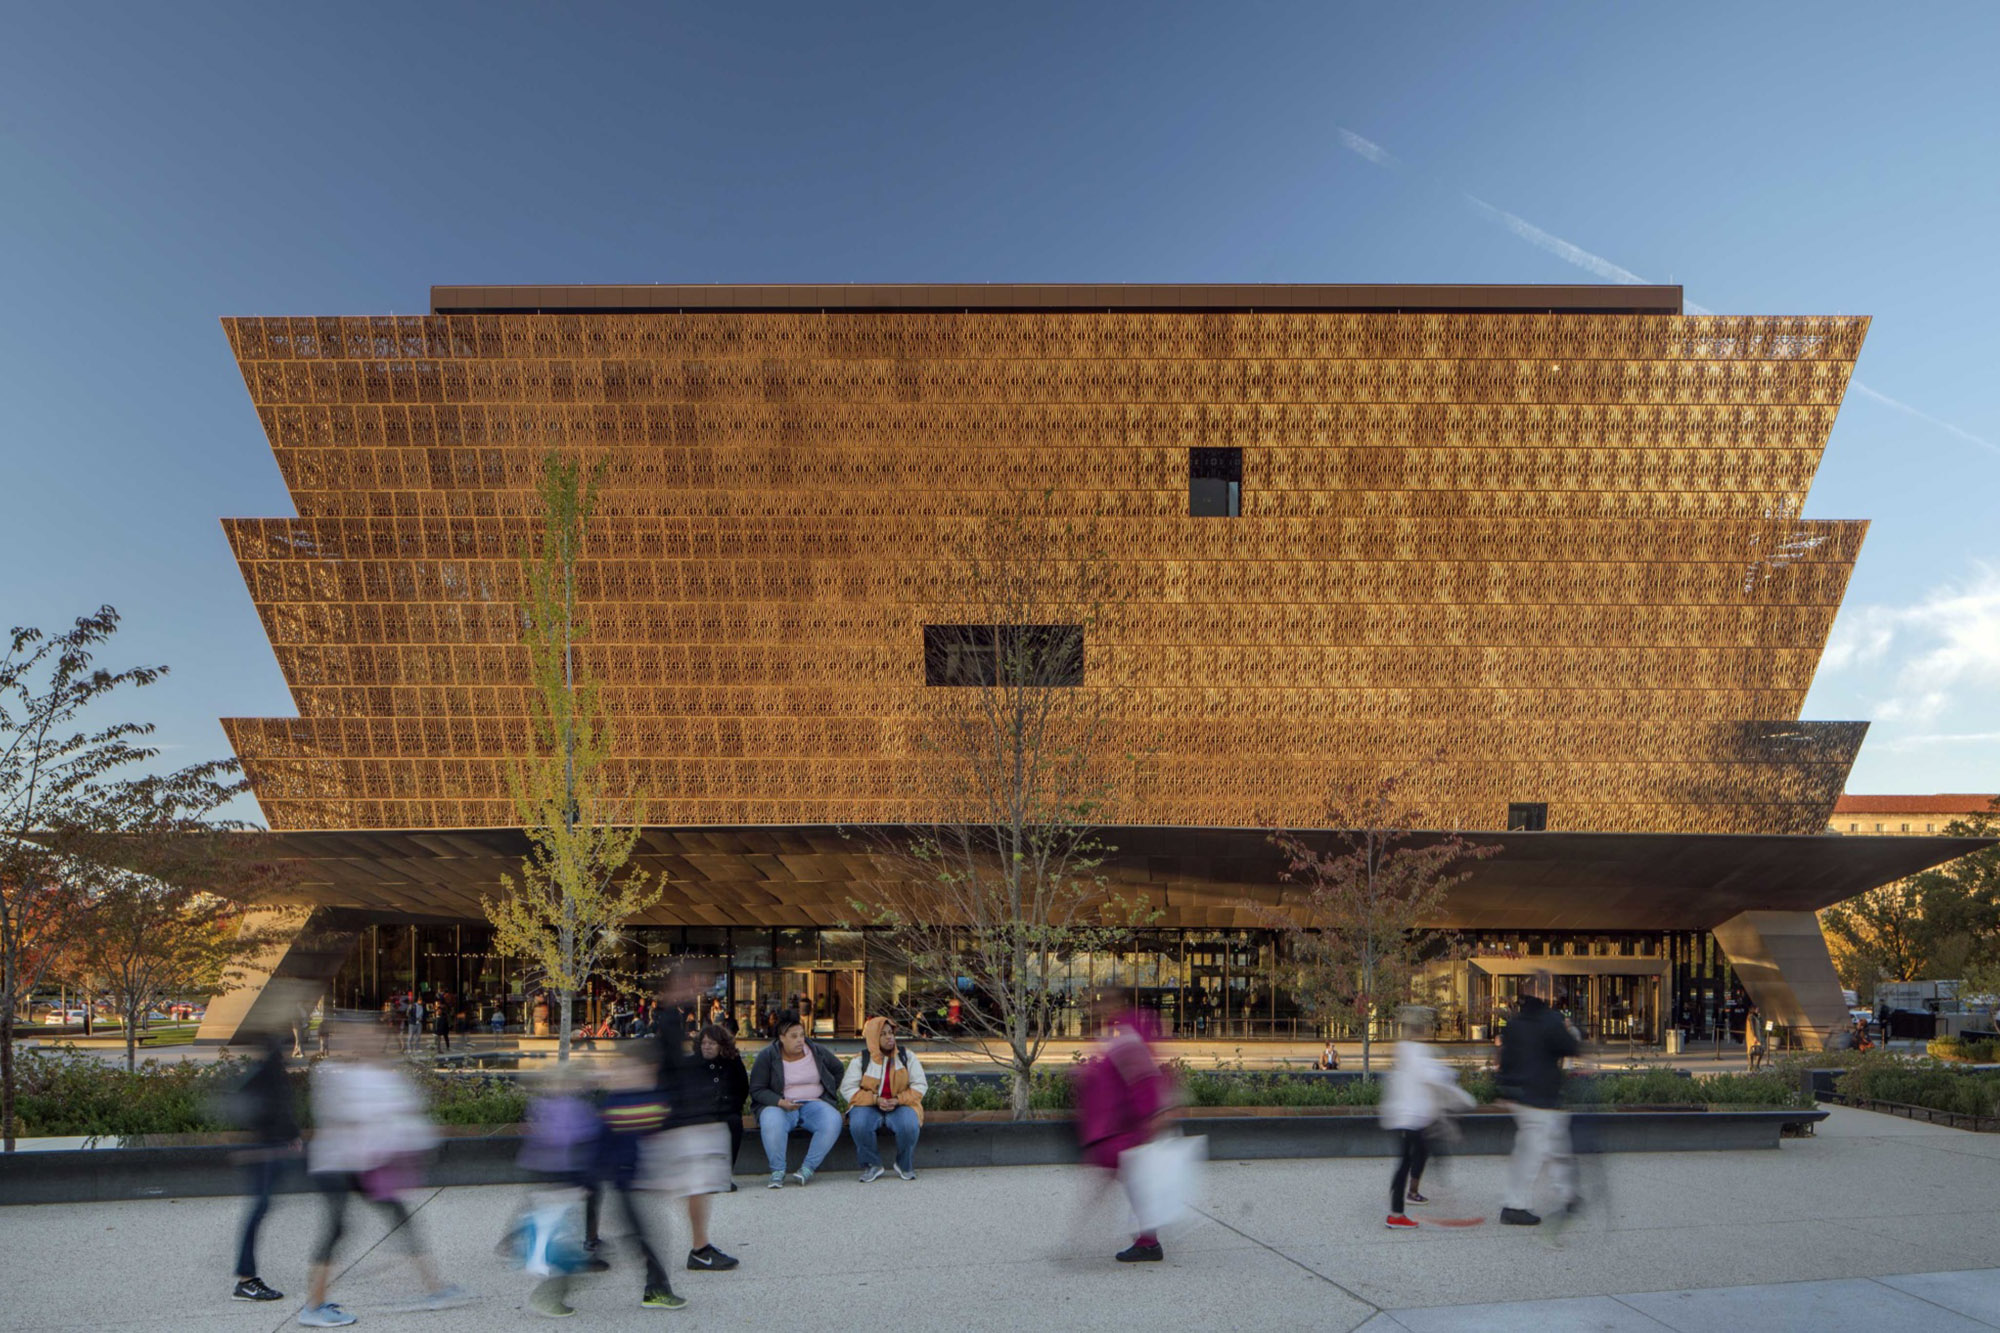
pixel 1875 1224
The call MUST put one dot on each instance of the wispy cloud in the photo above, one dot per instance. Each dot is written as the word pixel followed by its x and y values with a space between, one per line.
pixel 1943 738
pixel 1925 417
pixel 1367 148
pixel 1951 639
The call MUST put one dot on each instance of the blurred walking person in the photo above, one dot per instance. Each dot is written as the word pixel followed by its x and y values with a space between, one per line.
pixel 691 1156
pixel 369 1133
pixel 1532 1049
pixel 1123 1102
pixel 558 1148
pixel 263 1106
pixel 632 1112
pixel 1419 1093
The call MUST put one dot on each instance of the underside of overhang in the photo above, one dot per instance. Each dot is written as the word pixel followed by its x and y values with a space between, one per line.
pixel 1195 877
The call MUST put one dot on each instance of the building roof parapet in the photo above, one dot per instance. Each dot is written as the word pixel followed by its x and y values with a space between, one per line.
pixel 1386 298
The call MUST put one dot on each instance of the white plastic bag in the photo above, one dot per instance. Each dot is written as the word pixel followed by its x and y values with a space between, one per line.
pixel 1161 1178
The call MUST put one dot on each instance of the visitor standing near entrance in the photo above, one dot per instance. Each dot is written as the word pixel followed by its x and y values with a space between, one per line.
pixel 1123 1101
pixel 263 1107
pixel 413 1031
pixel 884 1086
pixel 369 1132
pixel 792 1084
pixel 442 1024
pixel 1417 1096
pixel 691 1156
pixel 1533 1047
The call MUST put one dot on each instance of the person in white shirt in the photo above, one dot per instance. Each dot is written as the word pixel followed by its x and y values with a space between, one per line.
pixel 884 1085
pixel 1420 1091
pixel 370 1131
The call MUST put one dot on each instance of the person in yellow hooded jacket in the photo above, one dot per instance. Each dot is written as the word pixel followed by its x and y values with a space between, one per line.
pixel 884 1085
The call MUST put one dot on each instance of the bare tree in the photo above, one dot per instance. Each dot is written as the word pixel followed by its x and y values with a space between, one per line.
pixel 987 900
pixel 1369 882
pixel 577 885
pixel 72 793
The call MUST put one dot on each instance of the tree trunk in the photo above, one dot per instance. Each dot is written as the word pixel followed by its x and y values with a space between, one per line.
pixel 131 1038
pixel 564 1001
pixel 1023 1081
pixel 7 1063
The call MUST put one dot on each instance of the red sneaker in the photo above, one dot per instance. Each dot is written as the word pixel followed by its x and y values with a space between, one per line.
pixel 1398 1221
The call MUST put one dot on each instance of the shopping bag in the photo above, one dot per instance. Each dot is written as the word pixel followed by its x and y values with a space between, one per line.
pixel 554 1243
pixel 1161 1177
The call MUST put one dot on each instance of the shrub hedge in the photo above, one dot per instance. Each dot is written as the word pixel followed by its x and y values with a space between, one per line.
pixel 66 1092
pixel 1931 1084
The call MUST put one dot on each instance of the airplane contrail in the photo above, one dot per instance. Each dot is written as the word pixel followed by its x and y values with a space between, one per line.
pixel 1924 417
pixel 1571 253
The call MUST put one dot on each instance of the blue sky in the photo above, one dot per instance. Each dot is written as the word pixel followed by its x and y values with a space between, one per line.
pixel 164 165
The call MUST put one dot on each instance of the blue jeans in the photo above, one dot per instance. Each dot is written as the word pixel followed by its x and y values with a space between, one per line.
pixel 864 1122
pixel 819 1119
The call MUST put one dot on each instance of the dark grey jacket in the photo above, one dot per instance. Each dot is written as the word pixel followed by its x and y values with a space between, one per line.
pixel 767 1076
pixel 1533 1046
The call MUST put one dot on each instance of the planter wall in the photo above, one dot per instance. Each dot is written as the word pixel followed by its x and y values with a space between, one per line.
pixel 967 1139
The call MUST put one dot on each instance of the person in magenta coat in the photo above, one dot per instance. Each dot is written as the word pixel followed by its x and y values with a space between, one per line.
pixel 1122 1100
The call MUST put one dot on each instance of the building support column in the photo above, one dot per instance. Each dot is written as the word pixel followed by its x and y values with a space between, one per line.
pixel 293 972
pixel 1782 960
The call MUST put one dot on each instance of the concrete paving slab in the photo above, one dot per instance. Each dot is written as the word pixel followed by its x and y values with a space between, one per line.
pixel 1847 1306
pixel 1578 1314
pixel 1277 1244
pixel 1975 1294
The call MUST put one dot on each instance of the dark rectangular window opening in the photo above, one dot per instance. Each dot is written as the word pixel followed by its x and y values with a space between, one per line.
pixel 1528 817
pixel 1025 655
pixel 1215 483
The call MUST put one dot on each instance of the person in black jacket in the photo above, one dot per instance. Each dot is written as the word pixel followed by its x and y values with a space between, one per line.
pixel 265 1108
pixel 694 1142
pixel 730 1084
pixel 1533 1046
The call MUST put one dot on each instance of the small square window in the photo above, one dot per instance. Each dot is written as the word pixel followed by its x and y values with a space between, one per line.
pixel 1878 828
pixel 1930 828
pixel 1906 828
pixel 1854 828
pixel 1528 817
pixel 1215 483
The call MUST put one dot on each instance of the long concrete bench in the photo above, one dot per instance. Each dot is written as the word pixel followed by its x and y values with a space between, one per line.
pixel 950 1140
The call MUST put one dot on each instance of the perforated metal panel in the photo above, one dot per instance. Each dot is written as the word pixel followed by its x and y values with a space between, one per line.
pixel 1561 550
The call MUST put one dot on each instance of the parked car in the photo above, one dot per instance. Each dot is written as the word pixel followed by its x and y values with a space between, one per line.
pixel 57 1018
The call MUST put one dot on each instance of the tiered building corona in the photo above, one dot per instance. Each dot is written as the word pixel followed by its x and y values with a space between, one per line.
pixel 1538 549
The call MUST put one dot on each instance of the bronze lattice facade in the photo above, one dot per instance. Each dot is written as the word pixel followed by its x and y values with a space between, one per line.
pixel 1552 538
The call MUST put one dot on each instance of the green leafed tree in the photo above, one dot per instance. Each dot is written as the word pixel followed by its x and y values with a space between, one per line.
pixel 170 920
pixel 78 794
pixel 1366 886
pixel 1939 924
pixel 577 884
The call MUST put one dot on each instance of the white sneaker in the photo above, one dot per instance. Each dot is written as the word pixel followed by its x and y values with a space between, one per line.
pixel 871 1173
pixel 907 1175
pixel 802 1176
pixel 325 1315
